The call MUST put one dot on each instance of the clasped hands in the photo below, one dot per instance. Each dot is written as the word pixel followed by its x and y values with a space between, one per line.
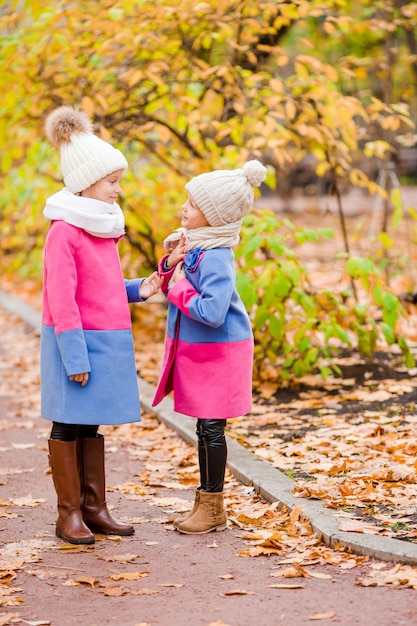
pixel 176 258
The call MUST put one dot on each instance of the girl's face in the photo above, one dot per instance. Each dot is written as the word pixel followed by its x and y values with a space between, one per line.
pixel 106 189
pixel 192 217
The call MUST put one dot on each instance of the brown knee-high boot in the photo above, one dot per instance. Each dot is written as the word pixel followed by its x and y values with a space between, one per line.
pixel 93 489
pixel 63 461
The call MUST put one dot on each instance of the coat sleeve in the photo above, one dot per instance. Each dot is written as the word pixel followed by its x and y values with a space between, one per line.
pixel 61 285
pixel 210 303
pixel 165 274
pixel 132 290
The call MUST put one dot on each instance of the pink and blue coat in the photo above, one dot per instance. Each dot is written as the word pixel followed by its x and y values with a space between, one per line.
pixel 208 355
pixel 86 327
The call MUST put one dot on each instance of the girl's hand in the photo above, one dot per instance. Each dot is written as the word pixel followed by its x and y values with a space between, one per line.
pixel 178 274
pixel 80 378
pixel 178 252
pixel 150 286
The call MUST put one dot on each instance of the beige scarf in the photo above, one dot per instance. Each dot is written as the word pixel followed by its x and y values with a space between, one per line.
pixel 206 237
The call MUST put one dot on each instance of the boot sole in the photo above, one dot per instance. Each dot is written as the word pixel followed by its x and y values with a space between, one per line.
pixel 76 542
pixel 202 532
pixel 98 531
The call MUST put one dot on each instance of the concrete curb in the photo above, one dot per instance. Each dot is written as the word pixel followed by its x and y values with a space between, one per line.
pixel 274 486
pixel 15 306
pixel 269 482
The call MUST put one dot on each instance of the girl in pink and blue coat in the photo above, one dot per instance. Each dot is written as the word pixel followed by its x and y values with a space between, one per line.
pixel 88 371
pixel 208 353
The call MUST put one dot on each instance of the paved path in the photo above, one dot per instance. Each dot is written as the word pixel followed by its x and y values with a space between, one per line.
pixel 157 577
pixel 272 484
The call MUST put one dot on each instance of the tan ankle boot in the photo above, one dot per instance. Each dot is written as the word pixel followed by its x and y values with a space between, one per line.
pixel 209 516
pixel 63 461
pixel 196 504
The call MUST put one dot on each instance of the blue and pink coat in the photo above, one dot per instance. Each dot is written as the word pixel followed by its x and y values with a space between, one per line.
pixel 208 355
pixel 86 327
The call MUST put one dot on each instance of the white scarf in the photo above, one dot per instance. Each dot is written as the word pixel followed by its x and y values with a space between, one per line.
pixel 206 237
pixel 97 218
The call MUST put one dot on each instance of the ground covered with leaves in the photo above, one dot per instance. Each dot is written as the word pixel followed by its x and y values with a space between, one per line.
pixel 349 441
pixel 235 578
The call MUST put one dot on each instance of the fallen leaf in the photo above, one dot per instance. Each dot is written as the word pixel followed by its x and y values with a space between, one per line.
pixel 114 592
pixel 27 501
pixel 9 618
pixel 115 538
pixel 143 592
pixel 11 601
pixel 139 520
pixel 399 577
pixel 82 580
pixel 295 571
pixel 130 575
pixel 6 576
pixel 122 558
pixel 317 616
pixel 164 502
pixel 8 591
pixel 10 471
pixel 45 574
pixel 353 526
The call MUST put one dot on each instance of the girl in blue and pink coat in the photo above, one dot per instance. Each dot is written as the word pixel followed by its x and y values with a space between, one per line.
pixel 208 354
pixel 88 371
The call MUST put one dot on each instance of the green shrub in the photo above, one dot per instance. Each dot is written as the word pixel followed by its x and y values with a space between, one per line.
pixel 297 328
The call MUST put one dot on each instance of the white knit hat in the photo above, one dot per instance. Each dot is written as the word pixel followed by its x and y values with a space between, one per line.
pixel 225 196
pixel 85 158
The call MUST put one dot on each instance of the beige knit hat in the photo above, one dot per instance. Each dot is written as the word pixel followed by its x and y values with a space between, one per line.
pixel 85 158
pixel 225 196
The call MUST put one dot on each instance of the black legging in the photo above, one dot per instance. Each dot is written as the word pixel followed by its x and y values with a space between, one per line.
pixel 70 432
pixel 212 453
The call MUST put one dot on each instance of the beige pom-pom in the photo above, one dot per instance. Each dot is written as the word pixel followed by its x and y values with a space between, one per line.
pixel 62 123
pixel 255 172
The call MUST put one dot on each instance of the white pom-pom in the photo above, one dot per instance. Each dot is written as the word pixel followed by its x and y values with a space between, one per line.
pixel 255 172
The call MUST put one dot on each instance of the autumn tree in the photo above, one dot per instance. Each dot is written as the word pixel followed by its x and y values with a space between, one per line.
pixel 181 87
